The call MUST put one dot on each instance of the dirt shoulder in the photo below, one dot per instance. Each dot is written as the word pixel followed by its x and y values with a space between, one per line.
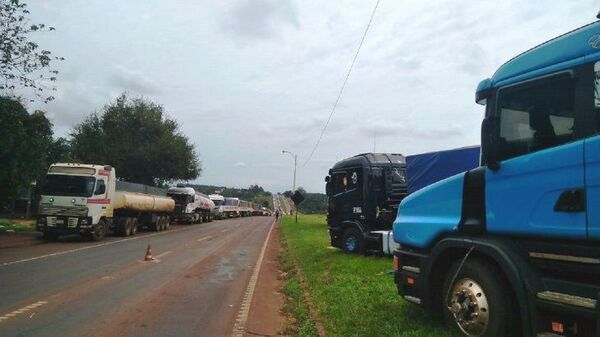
pixel 265 317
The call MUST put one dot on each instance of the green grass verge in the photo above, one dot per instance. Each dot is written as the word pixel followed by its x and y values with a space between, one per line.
pixel 300 323
pixel 16 226
pixel 353 295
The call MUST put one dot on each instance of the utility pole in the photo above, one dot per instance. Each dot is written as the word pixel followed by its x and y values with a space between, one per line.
pixel 295 156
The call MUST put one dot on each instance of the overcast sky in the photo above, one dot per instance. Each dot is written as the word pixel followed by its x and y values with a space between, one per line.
pixel 246 79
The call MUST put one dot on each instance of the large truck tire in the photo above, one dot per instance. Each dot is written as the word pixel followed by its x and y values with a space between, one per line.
pixel 157 225
pixel 167 222
pixel 476 300
pixel 353 241
pixel 99 231
pixel 134 226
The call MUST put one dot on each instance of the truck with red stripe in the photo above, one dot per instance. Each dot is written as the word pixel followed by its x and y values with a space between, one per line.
pixel 84 199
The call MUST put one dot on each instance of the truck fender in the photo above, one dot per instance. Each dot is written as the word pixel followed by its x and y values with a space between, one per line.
pixel 500 252
pixel 355 224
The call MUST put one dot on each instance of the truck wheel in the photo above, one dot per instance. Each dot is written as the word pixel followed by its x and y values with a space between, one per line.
pixel 157 225
pixel 99 231
pixel 167 222
pixel 127 229
pixel 134 224
pixel 478 301
pixel 353 241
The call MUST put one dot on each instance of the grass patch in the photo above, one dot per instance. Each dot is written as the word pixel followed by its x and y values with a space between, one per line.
pixel 295 308
pixel 353 295
pixel 17 225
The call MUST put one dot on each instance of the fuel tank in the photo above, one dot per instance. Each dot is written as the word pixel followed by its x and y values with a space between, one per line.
pixel 142 202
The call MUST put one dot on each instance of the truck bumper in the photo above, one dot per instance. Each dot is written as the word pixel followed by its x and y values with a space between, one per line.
pixel 335 236
pixel 183 217
pixel 63 225
pixel 408 278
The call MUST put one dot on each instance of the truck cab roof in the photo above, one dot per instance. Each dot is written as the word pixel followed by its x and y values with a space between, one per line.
pixel 78 169
pixel 181 190
pixel 565 51
pixel 371 159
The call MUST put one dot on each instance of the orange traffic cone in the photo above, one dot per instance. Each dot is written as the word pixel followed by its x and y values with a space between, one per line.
pixel 148 256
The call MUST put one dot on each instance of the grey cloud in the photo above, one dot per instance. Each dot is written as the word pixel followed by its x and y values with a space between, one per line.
pixel 125 79
pixel 402 130
pixel 261 19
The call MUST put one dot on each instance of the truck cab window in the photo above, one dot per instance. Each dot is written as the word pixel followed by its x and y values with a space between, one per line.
pixel 536 117
pixel 338 182
pixel 100 187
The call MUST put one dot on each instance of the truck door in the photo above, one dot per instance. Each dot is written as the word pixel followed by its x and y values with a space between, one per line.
pixel 592 163
pixel 346 188
pixel 537 189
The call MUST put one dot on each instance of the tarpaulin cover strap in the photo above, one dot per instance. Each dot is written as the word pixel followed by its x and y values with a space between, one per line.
pixel 425 169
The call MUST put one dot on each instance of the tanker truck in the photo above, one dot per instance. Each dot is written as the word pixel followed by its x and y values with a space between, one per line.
pixel 191 206
pixel 218 200
pixel 84 199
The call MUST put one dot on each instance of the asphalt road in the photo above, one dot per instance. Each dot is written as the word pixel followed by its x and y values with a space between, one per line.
pixel 193 288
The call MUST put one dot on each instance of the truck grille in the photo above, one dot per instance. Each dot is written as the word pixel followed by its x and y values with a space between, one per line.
pixel 64 211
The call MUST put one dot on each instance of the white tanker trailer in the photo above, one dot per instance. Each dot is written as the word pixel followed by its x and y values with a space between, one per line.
pixel 191 206
pixel 83 199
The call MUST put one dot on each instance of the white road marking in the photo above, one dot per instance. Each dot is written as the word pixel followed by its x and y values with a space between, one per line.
pixel 163 254
pixel 239 326
pixel 204 238
pixel 225 230
pixel 22 310
pixel 89 247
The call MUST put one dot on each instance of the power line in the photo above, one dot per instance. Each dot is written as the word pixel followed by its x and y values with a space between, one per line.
pixel 343 86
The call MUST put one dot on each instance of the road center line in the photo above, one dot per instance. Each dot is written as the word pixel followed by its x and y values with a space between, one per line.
pixel 22 310
pixel 204 238
pixel 163 254
pixel 240 323
pixel 89 247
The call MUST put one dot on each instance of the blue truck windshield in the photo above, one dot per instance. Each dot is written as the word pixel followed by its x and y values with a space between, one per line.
pixel 69 186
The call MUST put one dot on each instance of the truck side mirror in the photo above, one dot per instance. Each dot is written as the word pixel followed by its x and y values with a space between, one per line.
pixel 327 178
pixel 489 143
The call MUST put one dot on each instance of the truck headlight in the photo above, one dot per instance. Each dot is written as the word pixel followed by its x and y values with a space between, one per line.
pixel 85 221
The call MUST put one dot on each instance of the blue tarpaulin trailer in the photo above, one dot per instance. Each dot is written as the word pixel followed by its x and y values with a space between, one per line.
pixel 427 168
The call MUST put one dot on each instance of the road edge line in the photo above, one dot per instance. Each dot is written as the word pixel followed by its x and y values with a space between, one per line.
pixel 242 318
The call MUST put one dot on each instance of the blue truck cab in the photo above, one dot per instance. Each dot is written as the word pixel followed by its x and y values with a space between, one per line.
pixel 512 247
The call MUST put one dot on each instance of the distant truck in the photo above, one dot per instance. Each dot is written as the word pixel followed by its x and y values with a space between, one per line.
pixel 218 200
pixel 231 207
pixel 83 199
pixel 369 206
pixel 364 192
pixel 512 248
pixel 191 206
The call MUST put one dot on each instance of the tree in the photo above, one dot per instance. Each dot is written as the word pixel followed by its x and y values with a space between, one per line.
pixel 23 147
pixel 59 151
pixel 22 63
pixel 136 137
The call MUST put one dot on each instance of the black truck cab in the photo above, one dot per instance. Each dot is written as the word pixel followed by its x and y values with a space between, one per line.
pixel 364 192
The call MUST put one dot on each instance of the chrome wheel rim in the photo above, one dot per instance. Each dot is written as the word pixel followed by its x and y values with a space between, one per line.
pixel 469 306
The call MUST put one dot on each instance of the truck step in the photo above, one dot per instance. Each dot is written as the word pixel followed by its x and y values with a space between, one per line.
pixel 557 297
pixel 411 269
pixel 412 299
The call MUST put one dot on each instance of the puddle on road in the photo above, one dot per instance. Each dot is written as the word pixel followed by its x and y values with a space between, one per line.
pixel 224 271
